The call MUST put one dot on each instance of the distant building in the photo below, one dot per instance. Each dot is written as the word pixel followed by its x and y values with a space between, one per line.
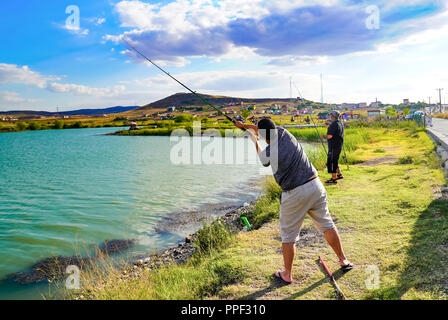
pixel 375 104
pixel 362 105
pixel 406 101
pixel 350 106
pixel 171 109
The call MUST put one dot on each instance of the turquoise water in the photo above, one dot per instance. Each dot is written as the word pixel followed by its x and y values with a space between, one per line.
pixel 62 191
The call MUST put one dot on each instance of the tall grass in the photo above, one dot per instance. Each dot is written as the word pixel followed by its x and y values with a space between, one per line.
pixel 384 124
pixel 317 156
pixel 202 276
pixel 213 236
pixel 267 207
pixel 308 134
pixel 354 137
pixel 441 115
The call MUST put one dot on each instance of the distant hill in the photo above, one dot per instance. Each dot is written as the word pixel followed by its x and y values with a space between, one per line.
pixel 189 99
pixel 86 112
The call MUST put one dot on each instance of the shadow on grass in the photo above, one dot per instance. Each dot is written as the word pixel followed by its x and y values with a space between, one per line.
pixel 426 268
pixel 276 283
pixel 337 275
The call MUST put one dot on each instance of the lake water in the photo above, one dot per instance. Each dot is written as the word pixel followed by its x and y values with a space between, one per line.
pixel 62 191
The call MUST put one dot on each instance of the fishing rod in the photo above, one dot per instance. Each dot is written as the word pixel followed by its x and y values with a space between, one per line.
pixel 343 147
pixel 320 137
pixel 314 124
pixel 333 279
pixel 183 85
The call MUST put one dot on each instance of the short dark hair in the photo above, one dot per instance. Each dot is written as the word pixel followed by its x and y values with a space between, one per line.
pixel 265 126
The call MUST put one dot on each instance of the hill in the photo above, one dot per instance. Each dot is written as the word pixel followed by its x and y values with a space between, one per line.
pixel 87 112
pixel 189 99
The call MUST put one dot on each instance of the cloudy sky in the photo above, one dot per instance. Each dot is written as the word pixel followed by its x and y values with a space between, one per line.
pixel 70 54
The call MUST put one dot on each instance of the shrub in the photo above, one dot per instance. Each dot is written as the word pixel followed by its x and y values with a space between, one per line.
pixel 76 125
pixel 58 124
pixel 212 236
pixel 406 160
pixel 20 126
pixel 34 126
pixel 183 118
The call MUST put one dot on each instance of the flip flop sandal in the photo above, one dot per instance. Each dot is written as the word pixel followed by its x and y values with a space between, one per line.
pixel 347 267
pixel 278 275
pixel 331 181
pixel 340 177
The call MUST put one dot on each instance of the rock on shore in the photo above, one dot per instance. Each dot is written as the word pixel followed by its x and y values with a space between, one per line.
pixel 185 250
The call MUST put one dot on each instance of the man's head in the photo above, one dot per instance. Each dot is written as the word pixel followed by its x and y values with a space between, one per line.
pixel 265 127
pixel 335 115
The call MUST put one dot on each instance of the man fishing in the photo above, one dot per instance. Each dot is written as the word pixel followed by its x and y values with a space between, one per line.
pixel 303 192
pixel 335 137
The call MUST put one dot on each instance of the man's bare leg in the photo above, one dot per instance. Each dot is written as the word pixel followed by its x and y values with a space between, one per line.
pixel 289 252
pixel 332 237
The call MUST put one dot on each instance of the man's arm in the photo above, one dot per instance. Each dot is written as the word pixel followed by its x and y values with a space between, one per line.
pixel 249 127
pixel 330 132
pixel 253 131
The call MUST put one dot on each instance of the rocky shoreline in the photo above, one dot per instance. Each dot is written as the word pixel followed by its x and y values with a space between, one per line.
pixel 185 250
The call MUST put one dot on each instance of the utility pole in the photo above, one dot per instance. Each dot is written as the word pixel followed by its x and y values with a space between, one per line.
pixel 290 87
pixel 440 99
pixel 321 88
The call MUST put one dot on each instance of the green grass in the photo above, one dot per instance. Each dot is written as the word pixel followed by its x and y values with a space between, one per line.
pixel 386 215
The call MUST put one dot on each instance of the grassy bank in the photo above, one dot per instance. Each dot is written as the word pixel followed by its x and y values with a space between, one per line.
pixel 386 214
pixel 36 125
pixel 441 115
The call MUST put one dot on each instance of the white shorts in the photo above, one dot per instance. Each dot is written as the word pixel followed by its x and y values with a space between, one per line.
pixel 310 198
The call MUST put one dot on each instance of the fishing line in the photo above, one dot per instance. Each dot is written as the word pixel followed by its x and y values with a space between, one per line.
pixel 322 141
pixel 183 85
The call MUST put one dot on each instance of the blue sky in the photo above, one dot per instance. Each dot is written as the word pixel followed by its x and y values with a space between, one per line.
pixel 245 48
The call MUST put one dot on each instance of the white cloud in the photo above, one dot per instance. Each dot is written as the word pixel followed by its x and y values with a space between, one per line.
pixel 11 96
pixel 74 30
pixel 276 29
pixel 11 73
pixel 302 61
pixel 84 90
pixel 100 21
pixel 422 31
pixel 249 84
